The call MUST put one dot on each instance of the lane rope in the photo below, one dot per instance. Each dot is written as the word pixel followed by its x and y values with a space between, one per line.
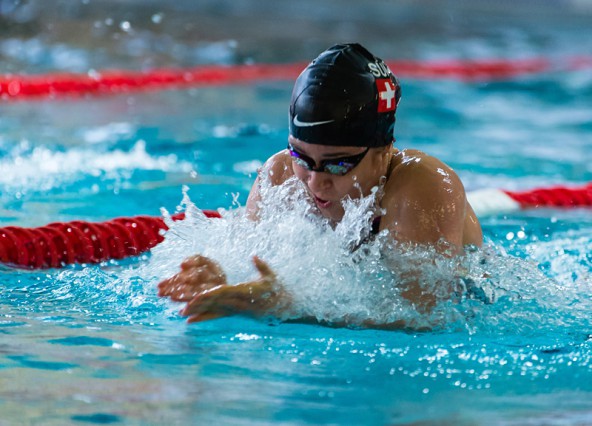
pixel 78 242
pixel 112 82
pixel 487 202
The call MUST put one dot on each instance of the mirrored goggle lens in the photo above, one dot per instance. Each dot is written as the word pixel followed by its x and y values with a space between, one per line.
pixel 301 161
pixel 338 168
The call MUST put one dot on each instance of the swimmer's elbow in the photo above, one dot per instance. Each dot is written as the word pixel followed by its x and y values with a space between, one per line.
pixel 252 211
pixel 252 206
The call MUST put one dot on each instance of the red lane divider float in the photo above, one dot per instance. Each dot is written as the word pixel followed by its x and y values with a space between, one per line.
pixel 116 82
pixel 60 244
pixel 63 243
pixel 495 201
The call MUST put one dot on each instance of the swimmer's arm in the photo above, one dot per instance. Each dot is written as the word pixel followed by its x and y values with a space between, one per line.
pixel 254 200
pixel 201 285
pixel 428 207
pixel 426 204
pixel 276 170
pixel 263 297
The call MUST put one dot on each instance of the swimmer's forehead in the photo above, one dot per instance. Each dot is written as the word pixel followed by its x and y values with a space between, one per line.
pixel 326 151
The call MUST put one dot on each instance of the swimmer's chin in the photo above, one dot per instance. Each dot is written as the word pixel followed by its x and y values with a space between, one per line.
pixel 332 210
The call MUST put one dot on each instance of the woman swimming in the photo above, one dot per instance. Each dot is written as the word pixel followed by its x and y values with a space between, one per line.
pixel 342 117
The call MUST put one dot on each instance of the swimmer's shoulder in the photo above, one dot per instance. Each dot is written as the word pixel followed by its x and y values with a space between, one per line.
pixel 278 168
pixel 419 182
pixel 414 167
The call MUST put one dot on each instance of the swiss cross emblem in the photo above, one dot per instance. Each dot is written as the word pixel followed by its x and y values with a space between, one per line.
pixel 386 95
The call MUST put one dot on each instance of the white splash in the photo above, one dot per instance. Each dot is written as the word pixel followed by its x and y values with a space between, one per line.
pixel 44 168
pixel 334 279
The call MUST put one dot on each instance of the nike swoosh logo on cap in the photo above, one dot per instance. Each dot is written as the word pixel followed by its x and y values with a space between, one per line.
pixel 309 123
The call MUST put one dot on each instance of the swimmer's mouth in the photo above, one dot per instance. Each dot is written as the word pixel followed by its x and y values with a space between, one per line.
pixel 323 204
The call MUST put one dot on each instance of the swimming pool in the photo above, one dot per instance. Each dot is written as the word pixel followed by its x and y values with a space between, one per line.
pixel 93 344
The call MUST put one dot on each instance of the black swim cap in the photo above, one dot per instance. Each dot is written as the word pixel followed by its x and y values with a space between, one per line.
pixel 346 96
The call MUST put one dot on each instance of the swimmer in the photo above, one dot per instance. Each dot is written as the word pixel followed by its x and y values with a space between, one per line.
pixel 342 118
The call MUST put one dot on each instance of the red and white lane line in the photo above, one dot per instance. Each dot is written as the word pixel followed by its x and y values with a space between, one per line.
pixel 111 82
pixel 58 244
pixel 488 202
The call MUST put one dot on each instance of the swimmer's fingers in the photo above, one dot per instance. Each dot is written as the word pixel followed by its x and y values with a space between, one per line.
pixel 198 273
pixel 203 263
pixel 253 299
pixel 202 269
pixel 264 269
pixel 178 289
pixel 256 298
pixel 273 291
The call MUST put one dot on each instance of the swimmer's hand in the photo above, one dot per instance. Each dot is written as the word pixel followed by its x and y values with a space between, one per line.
pixel 207 300
pixel 198 273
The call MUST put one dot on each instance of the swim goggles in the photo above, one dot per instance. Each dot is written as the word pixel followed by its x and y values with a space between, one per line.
pixel 334 166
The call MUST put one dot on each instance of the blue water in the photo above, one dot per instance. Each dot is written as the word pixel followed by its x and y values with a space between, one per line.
pixel 93 344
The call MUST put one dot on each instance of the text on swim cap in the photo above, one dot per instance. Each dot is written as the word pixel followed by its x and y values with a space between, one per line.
pixel 379 69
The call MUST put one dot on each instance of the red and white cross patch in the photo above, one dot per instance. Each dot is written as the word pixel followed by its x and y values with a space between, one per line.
pixel 386 95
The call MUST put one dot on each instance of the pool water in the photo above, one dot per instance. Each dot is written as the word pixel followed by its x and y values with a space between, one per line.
pixel 93 344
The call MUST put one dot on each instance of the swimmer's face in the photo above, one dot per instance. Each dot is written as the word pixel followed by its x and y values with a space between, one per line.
pixel 327 189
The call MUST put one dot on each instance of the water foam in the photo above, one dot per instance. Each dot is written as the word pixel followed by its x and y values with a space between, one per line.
pixel 332 278
pixel 44 168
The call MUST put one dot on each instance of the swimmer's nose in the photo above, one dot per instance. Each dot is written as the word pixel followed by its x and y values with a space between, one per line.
pixel 318 181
